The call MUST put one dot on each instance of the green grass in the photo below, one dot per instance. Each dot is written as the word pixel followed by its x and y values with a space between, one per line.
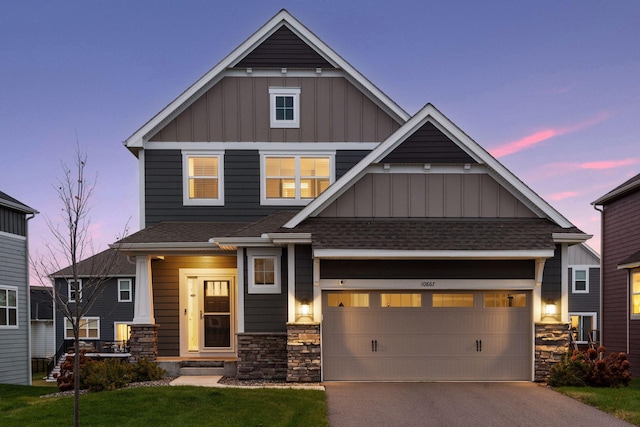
pixel 623 402
pixel 166 406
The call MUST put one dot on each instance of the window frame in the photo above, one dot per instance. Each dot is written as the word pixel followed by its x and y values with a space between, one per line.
pixel 264 253
pixel 70 290
pixel 186 200
pixel 7 307
pixel 87 319
pixel 293 92
pixel 581 314
pixel 574 269
pixel 634 274
pixel 297 156
pixel 120 290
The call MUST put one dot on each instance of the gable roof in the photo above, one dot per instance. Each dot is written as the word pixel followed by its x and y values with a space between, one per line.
pixel 430 114
pixel 9 202
pixel 252 50
pixel 109 262
pixel 628 186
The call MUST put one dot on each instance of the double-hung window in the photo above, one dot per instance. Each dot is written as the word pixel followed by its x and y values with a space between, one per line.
pixel 295 179
pixel 88 328
pixel 285 107
pixel 75 290
pixel 264 271
pixel 580 280
pixel 8 307
pixel 124 290
pixel 203 174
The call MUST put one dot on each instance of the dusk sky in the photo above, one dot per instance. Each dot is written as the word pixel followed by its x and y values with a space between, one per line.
pixel 550 88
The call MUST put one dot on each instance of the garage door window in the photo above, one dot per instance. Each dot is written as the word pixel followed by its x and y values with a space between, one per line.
pixel 452 300
pixel 348 299
pixel 504 300
pixel 400 300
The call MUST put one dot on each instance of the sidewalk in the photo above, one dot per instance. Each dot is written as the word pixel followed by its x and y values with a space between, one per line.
pixel 213 381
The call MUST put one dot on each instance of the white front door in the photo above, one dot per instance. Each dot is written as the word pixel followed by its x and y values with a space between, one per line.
pixel 207 303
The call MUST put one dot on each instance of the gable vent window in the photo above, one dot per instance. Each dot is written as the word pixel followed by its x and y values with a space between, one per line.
pixel 202 179
pixel 285 107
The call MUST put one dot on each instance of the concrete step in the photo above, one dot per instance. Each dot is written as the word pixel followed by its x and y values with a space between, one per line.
pixel 201 371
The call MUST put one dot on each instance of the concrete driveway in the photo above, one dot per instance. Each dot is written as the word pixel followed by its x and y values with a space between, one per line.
pixel 457 404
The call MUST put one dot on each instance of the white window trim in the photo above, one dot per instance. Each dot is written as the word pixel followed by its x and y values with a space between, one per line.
pixel 120 281
pixel 66 337
pixel 573 278
pixel 284 91
pixel 583 314
pixel 115 328
pixel 186 201
pixel 252 254
pixel 297 201
pixel 17 325
pixel 69 289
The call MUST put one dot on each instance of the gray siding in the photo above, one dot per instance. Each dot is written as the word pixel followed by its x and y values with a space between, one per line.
pixel 163 187
pixel 237 110
pixel 586 302
pixel 12 221
pixel 428 269
pixel 400 195
pixel 267 312
pixel 304 273
pixel 552 277
pixel 14 343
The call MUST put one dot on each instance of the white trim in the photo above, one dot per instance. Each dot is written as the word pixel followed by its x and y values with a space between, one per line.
pixel 141 189
pixel 17 291
pixel 294 93
pixel 570 237
pixel 86 319
pixel 69 290
pixel 240 293
pixel 115 328
pixel 564 284
pixel 333 73
pixel 584 268
pixel 120 290
pixel 12 236
pixel 291 283
pixel 430 114
pixel 317 293
pixel 186 200
pixel 409 254
pixel 427 284
pixel 296 155
pixel 593 314
pixel 282 18
pixel 298 147
pixel 264 253
pixel 426 168
pixel 143 313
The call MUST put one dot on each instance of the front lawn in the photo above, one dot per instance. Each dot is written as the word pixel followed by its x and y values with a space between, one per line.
pixel 623 402
pixel 166 406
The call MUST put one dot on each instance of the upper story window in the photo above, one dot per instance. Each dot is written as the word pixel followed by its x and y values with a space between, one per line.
pixel 635 293
pixel 295 179
pixel 8 307
pixel 580 280
pixel 203 174
pixel 75 290
pixel 264 271
pixel 124 290
pixel 284 107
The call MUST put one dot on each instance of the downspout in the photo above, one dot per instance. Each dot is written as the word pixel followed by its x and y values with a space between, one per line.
pixel 29 217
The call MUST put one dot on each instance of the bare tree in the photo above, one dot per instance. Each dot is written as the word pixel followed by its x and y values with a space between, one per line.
pixel 72 243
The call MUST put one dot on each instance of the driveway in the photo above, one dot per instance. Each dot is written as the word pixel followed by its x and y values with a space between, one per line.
pixel 457 404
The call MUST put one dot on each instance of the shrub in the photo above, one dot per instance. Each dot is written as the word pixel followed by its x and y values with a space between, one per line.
pixel 145 370
pixel 65 378
pixel 591 368
pixel 106 374
pixel 570 371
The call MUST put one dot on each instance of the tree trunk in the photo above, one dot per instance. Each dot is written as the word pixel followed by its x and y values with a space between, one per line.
pixel 76 379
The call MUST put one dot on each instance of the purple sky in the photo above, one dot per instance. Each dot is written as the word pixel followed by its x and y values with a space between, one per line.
pixel 551 88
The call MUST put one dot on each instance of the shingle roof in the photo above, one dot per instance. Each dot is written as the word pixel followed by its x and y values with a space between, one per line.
pixel 432 234
pixel 193 232
pixel 627 186
pixel 631 259
pixel 105 263
pixel 6 200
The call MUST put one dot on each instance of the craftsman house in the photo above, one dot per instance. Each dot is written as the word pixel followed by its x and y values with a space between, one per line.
pixel 621 270
pixel 15 362
pixel 298 222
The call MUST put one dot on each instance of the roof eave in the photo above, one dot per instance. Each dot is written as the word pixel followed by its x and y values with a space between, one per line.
pixel 432 254
pixel 571 237
pixel 616 193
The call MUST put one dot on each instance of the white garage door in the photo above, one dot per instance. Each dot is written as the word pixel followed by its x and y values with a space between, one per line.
pixel 428 336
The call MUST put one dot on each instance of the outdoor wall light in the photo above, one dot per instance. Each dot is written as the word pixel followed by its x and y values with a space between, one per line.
pixel 550 307
pixel 305 308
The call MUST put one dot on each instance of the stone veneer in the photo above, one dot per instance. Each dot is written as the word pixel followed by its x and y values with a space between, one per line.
pixel 552 342
pixel 303 352
pixel 143 342
pixel 262 355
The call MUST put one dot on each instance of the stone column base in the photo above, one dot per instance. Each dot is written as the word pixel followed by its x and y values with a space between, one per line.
pixel 552 342
pixel 303 352
pixel 143 342
pixel 262 355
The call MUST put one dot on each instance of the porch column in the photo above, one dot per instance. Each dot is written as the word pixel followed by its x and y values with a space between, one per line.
pixel 143 306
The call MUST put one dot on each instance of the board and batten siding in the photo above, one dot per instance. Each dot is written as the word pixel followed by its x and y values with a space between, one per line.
pixel 237 109
pixel 400 195
pixel 620 239
pixel 163 187
pixel 12 222
pixel 586 302
pixel 14 342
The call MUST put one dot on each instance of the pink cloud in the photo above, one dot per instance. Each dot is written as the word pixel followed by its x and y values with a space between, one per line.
pixel 564 195
pixel 543 135
pixel 611 164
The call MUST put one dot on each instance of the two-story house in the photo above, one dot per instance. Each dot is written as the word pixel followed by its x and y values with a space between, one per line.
pixel 621 270
pixel 297 221
pixel 104 327
pixel 15 359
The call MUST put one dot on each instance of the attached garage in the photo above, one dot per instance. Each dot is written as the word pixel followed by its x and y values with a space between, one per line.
pixel 471 335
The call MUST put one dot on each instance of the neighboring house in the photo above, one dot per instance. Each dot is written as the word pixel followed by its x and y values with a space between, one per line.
pixel 621 270
pixel 584 293
pixel 298 221
pixel 105 326
pixel 15 362
pixel 43 343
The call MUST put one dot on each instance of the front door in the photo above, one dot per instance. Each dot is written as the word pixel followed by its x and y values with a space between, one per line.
pixel 207 305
